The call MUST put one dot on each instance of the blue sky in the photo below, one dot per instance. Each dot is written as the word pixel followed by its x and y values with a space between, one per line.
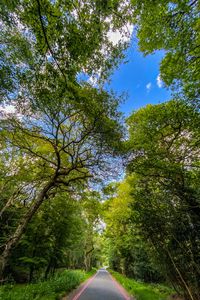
pixel 138 77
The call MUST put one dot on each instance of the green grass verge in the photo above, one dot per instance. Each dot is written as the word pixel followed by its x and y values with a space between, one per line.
pixel 143 291
pixel 52 289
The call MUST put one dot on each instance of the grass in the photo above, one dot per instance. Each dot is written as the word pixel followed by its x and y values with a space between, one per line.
pixel 52 289
pixel 143 291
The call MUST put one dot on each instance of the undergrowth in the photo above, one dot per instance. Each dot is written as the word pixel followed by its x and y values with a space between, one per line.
pixel 143 291
pixel 52 289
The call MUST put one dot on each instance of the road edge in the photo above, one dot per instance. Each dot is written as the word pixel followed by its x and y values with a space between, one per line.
pixel 120 287
pixel 79 290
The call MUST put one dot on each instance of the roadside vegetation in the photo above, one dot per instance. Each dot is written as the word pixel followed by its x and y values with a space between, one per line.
pixel 141 290
pixel 52 289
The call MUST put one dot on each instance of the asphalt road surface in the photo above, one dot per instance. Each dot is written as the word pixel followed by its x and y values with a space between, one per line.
pixel 101 287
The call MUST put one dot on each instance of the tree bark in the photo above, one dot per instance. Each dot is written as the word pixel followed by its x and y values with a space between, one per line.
pixel 48 269
pixel 180 275
pixel 14 239
pixel 9 202
pixel 87 259
pixel 31 271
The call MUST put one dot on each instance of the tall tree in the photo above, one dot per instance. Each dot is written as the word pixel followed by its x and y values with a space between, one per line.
pixel 91 211
pixel 164 153
pixel 64 145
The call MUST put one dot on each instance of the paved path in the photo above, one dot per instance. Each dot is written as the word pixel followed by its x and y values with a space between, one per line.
pixel 100 287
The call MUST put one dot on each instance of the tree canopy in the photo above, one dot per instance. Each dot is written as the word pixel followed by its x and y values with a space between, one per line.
pixel 80 187
pixel 44 39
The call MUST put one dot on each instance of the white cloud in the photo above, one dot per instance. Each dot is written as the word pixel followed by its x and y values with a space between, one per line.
pixel 149 86
pixel 159 81
pixel 8 109
pixel 115 36
pixel 93 79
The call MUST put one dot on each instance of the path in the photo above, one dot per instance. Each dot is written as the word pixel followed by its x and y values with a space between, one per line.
pixel 100 287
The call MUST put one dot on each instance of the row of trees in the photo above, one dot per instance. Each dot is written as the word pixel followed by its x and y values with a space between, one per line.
pixel 153 216
pixel 63 234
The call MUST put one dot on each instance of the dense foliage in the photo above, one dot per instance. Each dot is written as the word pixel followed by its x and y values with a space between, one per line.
pixel 43 39
pixel 126 251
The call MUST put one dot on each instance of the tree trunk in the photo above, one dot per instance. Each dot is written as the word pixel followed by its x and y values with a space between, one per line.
pixel 87 259
pixel 10 201
pixel 14 239
pixel 180 275
pixel 48 269
pixel 31 271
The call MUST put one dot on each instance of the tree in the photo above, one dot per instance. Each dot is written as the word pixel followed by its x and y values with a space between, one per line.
pixel 91 211
pixel 65 146
pixel 164 153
